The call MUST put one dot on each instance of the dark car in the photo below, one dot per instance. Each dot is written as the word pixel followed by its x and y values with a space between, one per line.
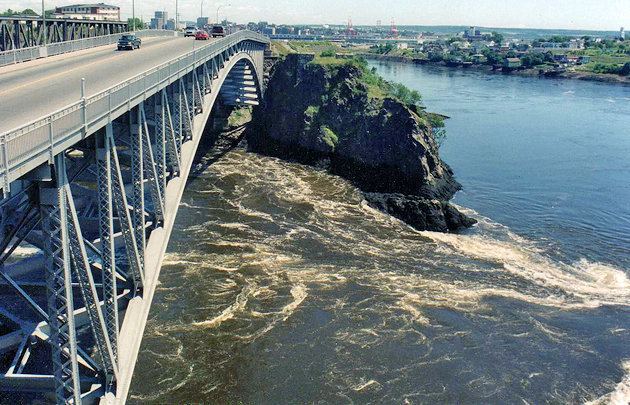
pixel 129 41
pixel 218 31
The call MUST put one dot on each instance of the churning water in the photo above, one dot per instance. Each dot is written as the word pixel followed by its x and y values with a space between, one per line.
pixel 282 285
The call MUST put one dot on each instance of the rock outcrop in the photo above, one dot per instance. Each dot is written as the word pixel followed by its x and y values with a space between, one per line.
pixel 387 148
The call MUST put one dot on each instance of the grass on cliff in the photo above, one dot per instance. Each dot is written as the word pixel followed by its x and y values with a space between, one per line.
pixel 331 56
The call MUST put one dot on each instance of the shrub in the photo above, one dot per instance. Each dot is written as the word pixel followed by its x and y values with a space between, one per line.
pixel 329 53
pixel 328 136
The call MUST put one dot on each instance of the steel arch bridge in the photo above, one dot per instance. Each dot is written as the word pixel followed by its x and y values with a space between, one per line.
pixel 93 191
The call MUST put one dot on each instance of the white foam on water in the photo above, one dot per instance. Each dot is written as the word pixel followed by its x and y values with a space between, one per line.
pixel 372 384
pixel 621 393
pixel 25 250
pixel 584 284
pixel 229 312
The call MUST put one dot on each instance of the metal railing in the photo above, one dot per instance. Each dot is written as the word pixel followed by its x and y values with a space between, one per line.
pixel 57 48
pixel 37 141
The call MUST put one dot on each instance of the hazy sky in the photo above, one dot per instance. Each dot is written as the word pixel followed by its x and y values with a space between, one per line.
pixel 571 14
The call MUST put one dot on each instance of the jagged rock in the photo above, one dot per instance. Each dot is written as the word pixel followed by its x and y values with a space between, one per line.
pixel 311 111
pixel 421 213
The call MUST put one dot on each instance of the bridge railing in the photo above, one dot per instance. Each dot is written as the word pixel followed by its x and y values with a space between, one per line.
pixel 57 48
pixel 26 147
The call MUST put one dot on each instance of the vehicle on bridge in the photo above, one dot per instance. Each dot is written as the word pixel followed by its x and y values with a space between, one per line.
pixel 129 41
pixel 190 31
pixel 218 31
pixel 202 35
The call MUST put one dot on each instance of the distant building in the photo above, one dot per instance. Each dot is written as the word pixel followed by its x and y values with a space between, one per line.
pixel 561 58
pixel 473 33
pixel 512 63
pixel 96 12
pixel 622 34
pixel 203 21
pixel 160 20
pixel 402 45
pixel 269 30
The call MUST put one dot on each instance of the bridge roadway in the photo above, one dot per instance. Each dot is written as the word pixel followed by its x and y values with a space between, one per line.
pixel 33 89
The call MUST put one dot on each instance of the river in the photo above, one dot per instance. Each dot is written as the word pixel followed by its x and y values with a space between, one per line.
pixel 281 285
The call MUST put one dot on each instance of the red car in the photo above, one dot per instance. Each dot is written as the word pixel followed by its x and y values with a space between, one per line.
pixel 201 35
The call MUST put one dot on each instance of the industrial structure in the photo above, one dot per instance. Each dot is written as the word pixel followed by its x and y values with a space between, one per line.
pixel 91 192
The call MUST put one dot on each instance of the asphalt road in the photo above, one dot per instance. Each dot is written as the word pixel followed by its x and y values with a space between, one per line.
pixel 31 90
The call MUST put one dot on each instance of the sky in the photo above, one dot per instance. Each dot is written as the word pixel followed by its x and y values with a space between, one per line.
pixel 607 15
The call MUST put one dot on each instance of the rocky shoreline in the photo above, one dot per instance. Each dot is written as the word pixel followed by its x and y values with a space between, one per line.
pixel 586 76
pixel 315 112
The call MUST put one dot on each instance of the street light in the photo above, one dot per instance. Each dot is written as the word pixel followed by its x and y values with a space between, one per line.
pixel 219 8
pixel 44 24
pixel 133 15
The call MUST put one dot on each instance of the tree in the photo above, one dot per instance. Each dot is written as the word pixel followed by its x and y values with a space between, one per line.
pixel 497 38
pixel 435 56
pixel 533 59
pixel 136 23
pixel 492 56
pixel 625 70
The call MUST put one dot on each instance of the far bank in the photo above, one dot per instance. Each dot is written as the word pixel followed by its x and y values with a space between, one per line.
pixel 587 76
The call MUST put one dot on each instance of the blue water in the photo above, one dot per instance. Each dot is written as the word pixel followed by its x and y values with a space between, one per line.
pixel 548 158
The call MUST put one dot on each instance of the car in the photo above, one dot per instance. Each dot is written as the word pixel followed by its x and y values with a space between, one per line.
pixel 190 31
pixel 129 41
pixel 218 31
pixel 202 35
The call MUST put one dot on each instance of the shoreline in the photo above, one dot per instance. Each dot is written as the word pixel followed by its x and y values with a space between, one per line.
pixel 533 73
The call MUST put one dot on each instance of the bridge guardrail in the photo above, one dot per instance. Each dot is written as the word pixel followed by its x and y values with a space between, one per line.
pixel 40 137
pixel 57 48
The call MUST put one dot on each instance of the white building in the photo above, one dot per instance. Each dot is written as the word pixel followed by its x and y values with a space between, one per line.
pixel 96 12
pixel 622 34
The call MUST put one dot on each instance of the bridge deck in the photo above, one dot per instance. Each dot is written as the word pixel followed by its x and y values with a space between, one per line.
pixel 33 89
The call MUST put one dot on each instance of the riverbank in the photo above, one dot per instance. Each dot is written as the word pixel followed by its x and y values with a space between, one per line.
pixel 575 75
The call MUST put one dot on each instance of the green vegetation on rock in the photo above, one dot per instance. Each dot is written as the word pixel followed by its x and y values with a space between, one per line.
pixel 328 136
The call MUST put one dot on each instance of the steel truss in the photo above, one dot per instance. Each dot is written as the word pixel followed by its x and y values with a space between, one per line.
pixel 92 211
pixel 26 31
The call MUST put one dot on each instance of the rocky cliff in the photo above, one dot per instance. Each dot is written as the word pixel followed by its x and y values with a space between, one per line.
pixel 338 111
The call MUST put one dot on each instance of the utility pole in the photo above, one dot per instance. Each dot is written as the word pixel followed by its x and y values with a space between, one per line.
pixel 133 15
pixel 201 11
pixel 44 30
pixel 176 17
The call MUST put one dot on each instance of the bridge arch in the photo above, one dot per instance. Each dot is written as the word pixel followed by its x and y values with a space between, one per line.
pixel 95 188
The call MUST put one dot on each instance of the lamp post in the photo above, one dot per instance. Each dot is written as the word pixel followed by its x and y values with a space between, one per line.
pixel 201 11
pixel 176 16
pixel 44 33
pixel 219 8
pixel 133 15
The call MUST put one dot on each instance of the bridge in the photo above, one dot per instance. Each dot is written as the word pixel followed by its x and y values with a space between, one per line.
pixel 18 32
pixel 95 150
